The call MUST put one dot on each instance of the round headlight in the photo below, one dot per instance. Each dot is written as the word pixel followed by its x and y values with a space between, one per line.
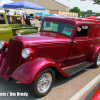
pixel 1 45
pixel 25 53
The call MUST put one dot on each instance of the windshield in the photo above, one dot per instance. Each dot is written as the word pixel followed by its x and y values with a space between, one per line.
pixel 2 21
pixel 58 27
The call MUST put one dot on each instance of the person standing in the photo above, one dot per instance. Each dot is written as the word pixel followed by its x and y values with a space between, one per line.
pixel 23 18
pixel 8 16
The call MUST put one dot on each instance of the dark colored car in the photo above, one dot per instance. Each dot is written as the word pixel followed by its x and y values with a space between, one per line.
pixel 40 18
pixel 64 45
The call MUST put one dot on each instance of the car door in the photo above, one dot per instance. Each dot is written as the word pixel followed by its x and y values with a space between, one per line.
pixel 80 44
pixel 5 29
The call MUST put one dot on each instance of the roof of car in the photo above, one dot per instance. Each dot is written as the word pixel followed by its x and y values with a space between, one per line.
pixel 75 20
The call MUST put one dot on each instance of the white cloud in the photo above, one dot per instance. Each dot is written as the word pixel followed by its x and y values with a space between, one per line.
pixel 4 2
pixel 83 5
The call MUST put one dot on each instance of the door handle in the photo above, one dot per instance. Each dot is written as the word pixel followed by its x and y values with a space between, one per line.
pixel 74 41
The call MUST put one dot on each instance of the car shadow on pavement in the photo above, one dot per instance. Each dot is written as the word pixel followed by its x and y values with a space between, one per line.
pixel 13 87
pixel 60 79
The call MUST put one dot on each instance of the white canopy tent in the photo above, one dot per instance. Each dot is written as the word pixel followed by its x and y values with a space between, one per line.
pixel 98 17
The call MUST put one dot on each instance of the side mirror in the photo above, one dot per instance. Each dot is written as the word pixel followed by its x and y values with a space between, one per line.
pixel 78 29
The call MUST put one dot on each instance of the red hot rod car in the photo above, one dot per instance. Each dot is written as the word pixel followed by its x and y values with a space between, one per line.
pixel 66 45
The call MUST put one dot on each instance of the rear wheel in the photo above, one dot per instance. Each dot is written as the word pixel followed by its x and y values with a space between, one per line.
pixel 43 83
pixel 97 61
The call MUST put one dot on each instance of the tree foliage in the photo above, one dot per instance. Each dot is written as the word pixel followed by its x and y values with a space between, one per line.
pixel 97 14
pixel 77 10
pixel 86 13
pixel 83 13
pixel 96 1
pixel 89 12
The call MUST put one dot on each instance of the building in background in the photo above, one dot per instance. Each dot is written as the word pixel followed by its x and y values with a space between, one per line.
pixel 52 7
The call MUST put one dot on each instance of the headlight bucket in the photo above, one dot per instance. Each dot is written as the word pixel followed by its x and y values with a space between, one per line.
pixel 3 45
pixel 27 53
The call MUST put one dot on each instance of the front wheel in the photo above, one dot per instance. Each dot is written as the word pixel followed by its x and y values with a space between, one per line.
pixel 43 83
pixel 97 61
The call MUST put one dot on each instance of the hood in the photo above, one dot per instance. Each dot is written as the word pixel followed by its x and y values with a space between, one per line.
pixel 43 38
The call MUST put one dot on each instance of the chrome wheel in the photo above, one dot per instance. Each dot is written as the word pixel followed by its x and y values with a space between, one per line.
pixel 98 60
pixel 44 82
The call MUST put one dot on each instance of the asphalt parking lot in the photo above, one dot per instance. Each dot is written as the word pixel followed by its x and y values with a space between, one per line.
pixel 90 92
pixel 36 23
pixel 64 87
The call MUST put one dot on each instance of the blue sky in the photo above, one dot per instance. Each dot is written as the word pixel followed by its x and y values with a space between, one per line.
pixel 83 5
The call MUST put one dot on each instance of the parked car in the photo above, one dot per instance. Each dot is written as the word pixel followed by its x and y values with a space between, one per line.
pixel 37 16
pixel 32 17
pixel 9 25
pixel 96 96
pixel 41 18
pixel 64 45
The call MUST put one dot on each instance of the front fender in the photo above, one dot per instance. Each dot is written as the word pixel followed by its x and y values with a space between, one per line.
pixel 94 53
pixel 28 71
pixel 2 57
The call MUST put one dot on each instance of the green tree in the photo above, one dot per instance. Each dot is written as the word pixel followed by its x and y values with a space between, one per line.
pixel 77 10
pixel 89 12
pixel 97 14
pixel 83 13
pixel 96 1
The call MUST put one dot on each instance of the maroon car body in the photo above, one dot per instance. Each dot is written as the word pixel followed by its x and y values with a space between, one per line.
pixel 69 46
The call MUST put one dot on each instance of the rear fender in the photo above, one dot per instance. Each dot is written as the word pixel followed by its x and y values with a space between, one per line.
pixel 94 53
pixel 28 71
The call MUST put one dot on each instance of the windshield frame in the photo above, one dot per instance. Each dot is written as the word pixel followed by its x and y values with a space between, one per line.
pixel 42 30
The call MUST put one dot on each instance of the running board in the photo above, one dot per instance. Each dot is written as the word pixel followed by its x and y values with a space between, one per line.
pixel 76 68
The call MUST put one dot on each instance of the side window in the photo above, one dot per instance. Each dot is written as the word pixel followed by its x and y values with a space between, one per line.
pixel 82 31
pixel 46 25
pixel 2 21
